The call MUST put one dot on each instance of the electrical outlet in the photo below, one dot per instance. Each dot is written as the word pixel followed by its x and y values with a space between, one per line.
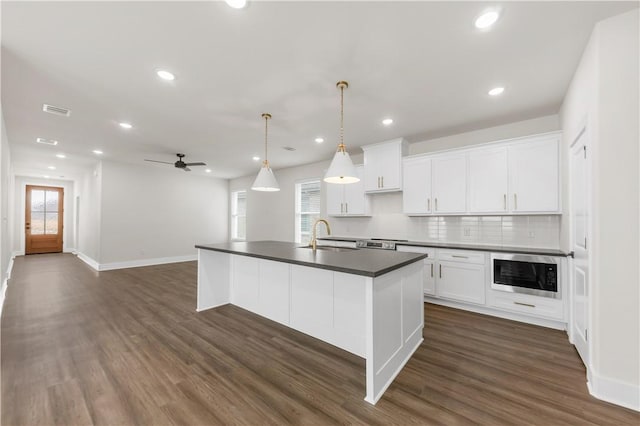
pixel 532 234
pixel 467 232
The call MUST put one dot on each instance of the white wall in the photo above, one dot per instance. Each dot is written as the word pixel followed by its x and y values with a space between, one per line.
pixel 88 207
pixel 150 212
pixel 604 93
pixel 68 235
pixel 6 183
pixel 270 216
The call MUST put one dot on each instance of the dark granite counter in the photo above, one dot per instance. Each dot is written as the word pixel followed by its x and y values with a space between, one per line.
pixel 477 247
pixel 370 263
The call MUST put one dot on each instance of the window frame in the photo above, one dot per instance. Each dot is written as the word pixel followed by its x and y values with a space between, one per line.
pixel 298 204
pixel 234 216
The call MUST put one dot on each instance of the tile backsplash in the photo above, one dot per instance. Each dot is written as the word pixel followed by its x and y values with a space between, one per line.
pixel 388 221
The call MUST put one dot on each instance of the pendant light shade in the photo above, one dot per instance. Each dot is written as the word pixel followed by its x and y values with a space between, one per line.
pixel 265 181
pixel 341 169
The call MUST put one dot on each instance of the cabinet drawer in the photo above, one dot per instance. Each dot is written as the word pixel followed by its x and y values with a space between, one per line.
pixel 418 249
pixel 462 256
pixel 526 304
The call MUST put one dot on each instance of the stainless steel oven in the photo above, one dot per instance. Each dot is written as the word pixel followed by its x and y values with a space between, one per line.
pixel 528 274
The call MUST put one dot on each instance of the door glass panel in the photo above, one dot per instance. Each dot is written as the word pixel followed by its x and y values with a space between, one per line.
pixel 37 223
pixel 51 223
pixel 52 201
pixel 37 200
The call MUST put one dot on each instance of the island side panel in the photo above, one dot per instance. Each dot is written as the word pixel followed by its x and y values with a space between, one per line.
pixel 214 279
pixel 395 320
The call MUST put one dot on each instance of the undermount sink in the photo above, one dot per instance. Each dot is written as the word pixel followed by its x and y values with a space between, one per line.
pixel 330 248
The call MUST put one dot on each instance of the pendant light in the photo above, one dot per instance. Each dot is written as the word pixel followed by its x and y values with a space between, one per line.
pixel 341 169
pixel 265 181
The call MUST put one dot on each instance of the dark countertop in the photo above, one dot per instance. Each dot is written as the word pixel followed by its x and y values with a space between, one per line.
pixel 366 262
pixel 478 247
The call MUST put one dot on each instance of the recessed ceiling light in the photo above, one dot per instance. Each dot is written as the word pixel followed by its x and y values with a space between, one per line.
pixel 46 141
pixel 208 171
pixel 237 4
pixel 256 158
pixel 165 75
pixel 487 19
pixel 51 168
pixel 496 91
pixel 387 121
pixel 61 156
pixel 319 140
pixel 125 125
pixel 97 151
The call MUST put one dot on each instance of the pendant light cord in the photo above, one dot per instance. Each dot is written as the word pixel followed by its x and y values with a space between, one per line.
pixel 342 85
pixel 266 122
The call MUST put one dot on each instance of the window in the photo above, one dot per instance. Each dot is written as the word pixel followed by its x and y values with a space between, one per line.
pixel 239 215
pixel 307 208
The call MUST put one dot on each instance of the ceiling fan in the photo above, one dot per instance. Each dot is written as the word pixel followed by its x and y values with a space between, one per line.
pixel 180 164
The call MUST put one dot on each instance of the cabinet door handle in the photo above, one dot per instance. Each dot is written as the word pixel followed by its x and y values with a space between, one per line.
pixel 515 201
pixel 346 208
pixel 461 257
pixel 505 202
pixel 341 207
pixel 440 270
pixel 428 204
pixel 432 270
pixel 378 181
pixel 524 304
pixel 382 179
pixel 436 200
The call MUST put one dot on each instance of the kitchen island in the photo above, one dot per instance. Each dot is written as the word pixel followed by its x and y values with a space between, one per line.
pixel 367 302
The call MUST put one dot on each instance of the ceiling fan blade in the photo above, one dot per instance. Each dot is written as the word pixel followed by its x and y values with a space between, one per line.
pixel 156 161
pixel 186 169
pixel 196 164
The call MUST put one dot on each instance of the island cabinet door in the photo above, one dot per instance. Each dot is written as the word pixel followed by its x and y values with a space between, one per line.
pixel 273 294
pixel 349 313
pixel 246 282
pixel 312 301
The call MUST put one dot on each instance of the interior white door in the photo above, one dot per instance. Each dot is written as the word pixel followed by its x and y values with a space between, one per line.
pixel 488 177
pixel 580 246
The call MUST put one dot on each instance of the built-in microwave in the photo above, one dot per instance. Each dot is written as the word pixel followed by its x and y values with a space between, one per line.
pixel 528 274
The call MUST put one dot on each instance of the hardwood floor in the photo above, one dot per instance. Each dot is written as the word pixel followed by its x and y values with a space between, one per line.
pixel 127 347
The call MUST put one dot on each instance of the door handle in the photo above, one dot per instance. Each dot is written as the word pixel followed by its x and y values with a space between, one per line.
pixel 436 200
pixel 461 257
pixel 440 270
pixel 428 204
pixel 515 201
pixel 382 179
pixel 346 208
pixel 432 270
pixel 525 304
pixel 505 202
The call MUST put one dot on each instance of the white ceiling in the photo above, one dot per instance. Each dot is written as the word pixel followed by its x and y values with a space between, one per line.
pixel 422 63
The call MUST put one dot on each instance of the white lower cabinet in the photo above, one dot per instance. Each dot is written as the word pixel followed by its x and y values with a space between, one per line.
pixel 461 281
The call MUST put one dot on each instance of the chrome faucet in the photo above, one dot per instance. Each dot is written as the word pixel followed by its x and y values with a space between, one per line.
pixel 314 240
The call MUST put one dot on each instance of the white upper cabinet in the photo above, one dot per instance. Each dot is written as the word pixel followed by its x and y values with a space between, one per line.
pixel 488 180
pixel 534 176
pixel 512 177
pixel 347 199
pixel 383 166
pixel 416 186
pixel 449 183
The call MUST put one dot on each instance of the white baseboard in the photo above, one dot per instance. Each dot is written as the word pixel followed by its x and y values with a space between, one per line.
pixel 613 391
pixel 134 263
pixel 89 261
pixel 147 262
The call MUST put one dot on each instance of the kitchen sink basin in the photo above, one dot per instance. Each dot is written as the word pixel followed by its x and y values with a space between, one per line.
pixel 331 248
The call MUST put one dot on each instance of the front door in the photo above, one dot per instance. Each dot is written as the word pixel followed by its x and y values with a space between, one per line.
pixel 43 219
pixel 580 245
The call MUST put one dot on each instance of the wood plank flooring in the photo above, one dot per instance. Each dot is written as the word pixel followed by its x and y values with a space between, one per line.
pixel 127 347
